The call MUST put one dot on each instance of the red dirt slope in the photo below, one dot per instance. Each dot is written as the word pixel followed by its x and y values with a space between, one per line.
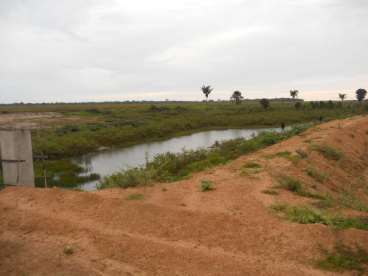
pixel 178 230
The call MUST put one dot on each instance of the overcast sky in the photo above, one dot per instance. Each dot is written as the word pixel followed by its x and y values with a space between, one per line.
pixel 82 50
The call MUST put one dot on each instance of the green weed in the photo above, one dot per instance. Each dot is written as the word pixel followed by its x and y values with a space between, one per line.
pixel 344 258
pixel 328 152
pixel 350 201
pixel 206 185
pixel 307 215
pixel 135 197
pixel 316 175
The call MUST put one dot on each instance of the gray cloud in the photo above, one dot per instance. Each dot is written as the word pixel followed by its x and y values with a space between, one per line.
pixel 75 50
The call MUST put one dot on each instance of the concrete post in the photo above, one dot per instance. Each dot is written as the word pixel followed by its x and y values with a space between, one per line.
pixel 17 158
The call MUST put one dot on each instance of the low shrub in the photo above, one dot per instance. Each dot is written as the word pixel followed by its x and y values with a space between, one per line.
pixel 206 185
pixel 291 184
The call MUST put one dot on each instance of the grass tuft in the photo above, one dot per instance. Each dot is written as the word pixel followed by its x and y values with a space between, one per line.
pixel 295 186
pixel 343 258
pixel 328 152
pixel 307 215
pixel 206 185
pixel 135 197
pixel 316 175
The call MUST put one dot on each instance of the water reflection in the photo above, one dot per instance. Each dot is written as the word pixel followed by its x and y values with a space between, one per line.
pixel 108 162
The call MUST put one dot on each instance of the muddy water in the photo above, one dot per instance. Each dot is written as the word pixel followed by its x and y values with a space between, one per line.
pixel 108 162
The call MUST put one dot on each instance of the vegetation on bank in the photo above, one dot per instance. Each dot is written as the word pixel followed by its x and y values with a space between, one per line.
pixel 86 128
pixel 172 167
pixel 61 173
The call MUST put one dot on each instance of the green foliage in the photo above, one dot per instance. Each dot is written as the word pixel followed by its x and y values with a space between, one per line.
pixel 249 168
pixel 61 173
pixel 135 197
pixel 328 152
pixel 344 258
pixel 325 203
pixel 291 184
pixel 307 215
pixel 172 167
pixel 206 90
pixel 350 201
pixel 206 185
pixel 295 186
pixel 316 175
pixel 294 93
pixel 87 127
pixel 360 94
pixel 342 97
pixel 237 97
pixel 284 154
pixel 129 178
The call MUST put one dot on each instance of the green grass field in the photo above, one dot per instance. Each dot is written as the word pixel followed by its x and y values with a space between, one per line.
pixel 87 127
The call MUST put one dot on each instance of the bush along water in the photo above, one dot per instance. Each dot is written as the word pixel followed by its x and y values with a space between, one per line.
pixel 170 167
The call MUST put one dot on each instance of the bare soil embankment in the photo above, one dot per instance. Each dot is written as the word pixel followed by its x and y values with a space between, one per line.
pixel 178 230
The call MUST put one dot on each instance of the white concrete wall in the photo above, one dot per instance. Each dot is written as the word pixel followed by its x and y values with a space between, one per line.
pixel 17 145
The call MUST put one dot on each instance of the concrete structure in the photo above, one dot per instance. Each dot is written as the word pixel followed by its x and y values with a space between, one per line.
pixel 16 157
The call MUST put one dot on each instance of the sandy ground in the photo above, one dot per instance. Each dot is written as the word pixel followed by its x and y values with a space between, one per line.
pixel 178 230
pixel 34 120
pixel 27 120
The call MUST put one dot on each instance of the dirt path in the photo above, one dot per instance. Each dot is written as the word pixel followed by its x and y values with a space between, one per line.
pixel 176 229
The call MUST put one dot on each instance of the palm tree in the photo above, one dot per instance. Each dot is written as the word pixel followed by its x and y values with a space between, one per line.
pixel 342 97
pixel 237 97
pixel 360 94
pixel 206 90
pixel 294 93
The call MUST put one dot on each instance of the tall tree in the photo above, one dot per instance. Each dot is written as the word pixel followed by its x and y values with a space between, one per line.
pixel 294 93
pixel 342 97
pixel 206 90
pixel 237 97
pixel 360 94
